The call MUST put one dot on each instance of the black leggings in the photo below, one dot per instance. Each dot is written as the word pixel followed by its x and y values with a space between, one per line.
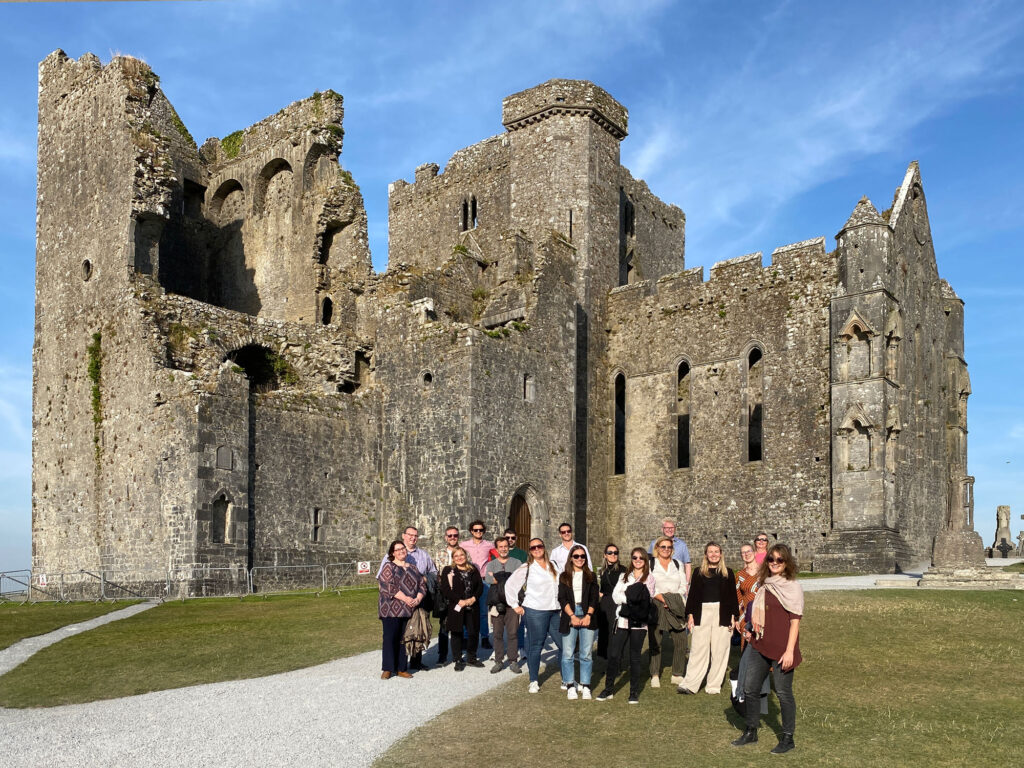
pixel 471 623
pixel 616 645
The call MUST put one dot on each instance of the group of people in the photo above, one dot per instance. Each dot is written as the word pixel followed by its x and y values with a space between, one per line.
pixel 488 592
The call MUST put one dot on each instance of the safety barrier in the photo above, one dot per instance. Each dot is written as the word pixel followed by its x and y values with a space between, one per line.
pixel 14 586
pixel 274 579
pixel 203 580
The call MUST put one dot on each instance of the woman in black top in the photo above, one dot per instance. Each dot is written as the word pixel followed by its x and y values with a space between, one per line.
pixel 577 600
pixel 610 573
pixel 461 584
pixel 711 611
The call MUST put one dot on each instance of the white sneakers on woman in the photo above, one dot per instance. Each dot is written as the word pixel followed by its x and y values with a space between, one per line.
pixel 534 687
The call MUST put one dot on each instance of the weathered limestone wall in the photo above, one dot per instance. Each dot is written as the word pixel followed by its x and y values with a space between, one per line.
pixel 713 326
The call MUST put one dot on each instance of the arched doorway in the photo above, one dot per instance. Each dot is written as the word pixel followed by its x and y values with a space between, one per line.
pixel 519 519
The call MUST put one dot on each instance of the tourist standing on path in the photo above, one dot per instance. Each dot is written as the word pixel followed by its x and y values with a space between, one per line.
pixel 711 613
pixel 479 550
pixel 760 547
pixel 578 600
pixel 746 587
pixel 777 610
pixel 402 589
pixel 519 554
pixel 539 606
pixel 633 594
pixel 462 586
pixel 670 597
pixel 440 611
pixel 611 572
pixel 425 565
pixel 504 621
pixel 680 552
pixel 560 554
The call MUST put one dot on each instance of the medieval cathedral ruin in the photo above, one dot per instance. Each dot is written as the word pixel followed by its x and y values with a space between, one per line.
pixel 221 378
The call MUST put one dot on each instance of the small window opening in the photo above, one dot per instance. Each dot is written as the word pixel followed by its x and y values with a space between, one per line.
pixel 326 311
pixel 754 358
pixel 317 536
pixel 464 222
pixel 87 272
pixel 570 233
pixel 754 434
pixel 218 520
pixel 192 201
pixel 620 425
pixel 472 214
pixel 428 378
pixel 683 416
pixel 529 388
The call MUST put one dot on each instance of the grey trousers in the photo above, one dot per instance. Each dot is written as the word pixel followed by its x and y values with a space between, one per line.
pixel 505 625
pixel 758 666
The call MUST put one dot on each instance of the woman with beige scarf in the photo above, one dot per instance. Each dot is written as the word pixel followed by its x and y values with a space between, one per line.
pixel 775 644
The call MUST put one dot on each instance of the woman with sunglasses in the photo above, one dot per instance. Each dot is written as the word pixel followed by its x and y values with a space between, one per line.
pixel 462 586
pixel 760 547
pixel 611 572
pixel 402 589
pixel 670 597
pixel 632 594
pixel 539 606
pixel 775 644
pixel 711 612
pixel 578 599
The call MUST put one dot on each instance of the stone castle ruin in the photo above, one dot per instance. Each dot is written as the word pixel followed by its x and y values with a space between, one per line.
pixel 221 379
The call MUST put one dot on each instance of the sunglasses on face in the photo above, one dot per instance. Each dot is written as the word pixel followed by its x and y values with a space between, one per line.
pixel 565 533
pixel 641 558
pixel 536 546
pixel 579 557
pixel 451 535
pixel 760 539
pixel 610 552
pixel 664 546
pixel 476 530
pixel 775 560
pixel 510 537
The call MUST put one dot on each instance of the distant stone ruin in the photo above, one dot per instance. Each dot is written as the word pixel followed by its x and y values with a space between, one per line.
pixel 220 378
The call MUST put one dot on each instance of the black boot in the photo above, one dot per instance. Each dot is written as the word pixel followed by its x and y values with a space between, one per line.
pixel 785 744
pixel 749 737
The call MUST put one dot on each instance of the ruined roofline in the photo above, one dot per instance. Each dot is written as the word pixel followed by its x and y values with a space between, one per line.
pixel 748 269
pixel 913 174
pixel 561 96
pixel 428 172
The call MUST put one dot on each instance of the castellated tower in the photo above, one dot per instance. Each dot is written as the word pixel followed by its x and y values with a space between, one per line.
pixel 223 387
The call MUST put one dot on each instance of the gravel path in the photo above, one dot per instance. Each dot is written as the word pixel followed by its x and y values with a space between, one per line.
pixel 13 655
pixel 339 713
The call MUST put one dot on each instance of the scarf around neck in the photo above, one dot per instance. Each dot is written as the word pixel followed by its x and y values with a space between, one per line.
pixel 787 591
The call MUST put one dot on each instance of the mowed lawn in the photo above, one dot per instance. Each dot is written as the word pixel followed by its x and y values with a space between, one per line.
pixel 197 641
pixel 890 678
pixel 20 621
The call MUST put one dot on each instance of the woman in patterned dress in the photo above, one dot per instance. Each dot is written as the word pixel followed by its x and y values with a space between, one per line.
pixel 402 589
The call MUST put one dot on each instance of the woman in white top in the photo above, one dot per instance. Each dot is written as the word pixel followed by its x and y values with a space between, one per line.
pixel 539 606
pixel 670 594
pixel 633 594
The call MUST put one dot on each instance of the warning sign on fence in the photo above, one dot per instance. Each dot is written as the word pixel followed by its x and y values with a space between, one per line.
pixel 364 567
pixel 42 579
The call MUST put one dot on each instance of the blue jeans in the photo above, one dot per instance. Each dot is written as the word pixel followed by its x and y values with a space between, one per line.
pixel 540 625
pixel 586 637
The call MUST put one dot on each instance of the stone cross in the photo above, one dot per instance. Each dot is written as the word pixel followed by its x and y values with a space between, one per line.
pixel 1004 548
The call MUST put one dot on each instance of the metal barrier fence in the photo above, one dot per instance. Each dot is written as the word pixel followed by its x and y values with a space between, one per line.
pixel 14 585
pixel 191 581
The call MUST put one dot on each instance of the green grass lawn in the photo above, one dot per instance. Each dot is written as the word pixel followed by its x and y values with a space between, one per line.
pixel 1015 568
pixel 198 641
pixel 889 678
pixel 20 621
pixel 815 575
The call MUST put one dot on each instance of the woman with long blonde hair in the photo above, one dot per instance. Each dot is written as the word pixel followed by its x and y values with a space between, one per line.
pixel 711 612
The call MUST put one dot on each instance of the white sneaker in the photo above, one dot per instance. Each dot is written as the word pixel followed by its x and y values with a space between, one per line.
pixel 564 686
pixel 677 680
pixel 586 693
pixel 655 682
pixel 534 687
pixel 573 695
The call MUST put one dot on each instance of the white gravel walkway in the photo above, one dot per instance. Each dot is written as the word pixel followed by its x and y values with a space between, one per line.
pixel 335 714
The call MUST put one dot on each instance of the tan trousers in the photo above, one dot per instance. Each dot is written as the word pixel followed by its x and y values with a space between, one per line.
pixel 709 651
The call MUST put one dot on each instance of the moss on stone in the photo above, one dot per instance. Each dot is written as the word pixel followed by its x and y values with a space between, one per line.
pixel 179 126
pixel 232 144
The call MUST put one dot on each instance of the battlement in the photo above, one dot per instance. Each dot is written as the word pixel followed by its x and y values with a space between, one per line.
pixel 559 97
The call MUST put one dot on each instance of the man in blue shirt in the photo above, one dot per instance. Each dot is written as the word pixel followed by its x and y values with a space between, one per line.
pixel 680 551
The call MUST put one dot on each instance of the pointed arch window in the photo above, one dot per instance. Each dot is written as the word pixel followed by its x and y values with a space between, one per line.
pixel 620 425
pixel 683 443
pixel 754 406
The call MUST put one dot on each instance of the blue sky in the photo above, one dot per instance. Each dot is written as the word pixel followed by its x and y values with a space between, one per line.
pixel 764 121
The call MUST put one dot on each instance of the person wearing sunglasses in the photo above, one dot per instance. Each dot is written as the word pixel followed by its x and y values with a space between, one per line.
pixel 711 612
pixel 774 637
pixel 746 588
pixel 538 605
pixel 577 599
pixel 670 598
pixel 513 551
pixel 561 553
pixel 760 547
pixel 479 550
pixel 633 595
pixel 611 572
pixel 680 552
pixel 440 611
pixel 402 589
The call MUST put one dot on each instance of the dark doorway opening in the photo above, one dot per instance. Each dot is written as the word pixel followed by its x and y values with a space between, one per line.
pixel 519 519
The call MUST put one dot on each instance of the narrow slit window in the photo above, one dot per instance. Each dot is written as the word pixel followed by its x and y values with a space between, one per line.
pixel 472 206
pixel 755 404
pixel 620 425
pixel 318 526
pixel 683 416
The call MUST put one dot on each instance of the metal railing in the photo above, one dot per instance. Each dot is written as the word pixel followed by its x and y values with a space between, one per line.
pixel 184 582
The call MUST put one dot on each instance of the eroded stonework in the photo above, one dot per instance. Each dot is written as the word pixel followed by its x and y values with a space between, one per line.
pixel 221 378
